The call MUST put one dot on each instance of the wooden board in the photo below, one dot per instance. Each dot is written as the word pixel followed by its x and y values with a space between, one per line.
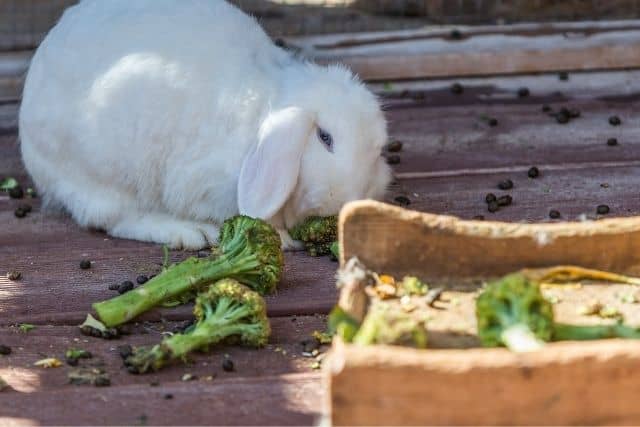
pixel 523 48
pixel 283 355
pixel 279 400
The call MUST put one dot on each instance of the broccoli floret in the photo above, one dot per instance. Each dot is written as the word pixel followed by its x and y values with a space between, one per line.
pixel 226 310
pixel 250 251
pixel 317 233
pixel 513 312
pixel 390 325
pixel 335 251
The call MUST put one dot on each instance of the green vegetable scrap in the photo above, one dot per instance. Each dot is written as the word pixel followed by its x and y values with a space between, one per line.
pixel 228 310
pixel 387 324
pixel 512 311
pixel 249 251
pixel 89 376
pixel 26 327
pixel 8 183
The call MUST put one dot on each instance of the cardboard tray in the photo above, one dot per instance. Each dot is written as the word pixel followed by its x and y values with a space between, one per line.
pixel 587 383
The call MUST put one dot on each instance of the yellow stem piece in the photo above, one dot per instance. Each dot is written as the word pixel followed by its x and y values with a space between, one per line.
pixel 571 273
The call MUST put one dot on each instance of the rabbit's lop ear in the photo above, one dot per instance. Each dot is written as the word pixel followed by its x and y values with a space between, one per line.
pixel 270 172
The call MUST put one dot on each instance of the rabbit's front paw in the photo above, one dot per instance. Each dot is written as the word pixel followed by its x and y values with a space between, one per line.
pixel 288 244
pixel 159 228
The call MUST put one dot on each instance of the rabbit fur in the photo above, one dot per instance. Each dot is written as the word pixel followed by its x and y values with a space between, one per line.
pixel 155 120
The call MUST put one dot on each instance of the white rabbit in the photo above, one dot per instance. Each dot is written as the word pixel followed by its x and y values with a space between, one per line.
pixel 157 119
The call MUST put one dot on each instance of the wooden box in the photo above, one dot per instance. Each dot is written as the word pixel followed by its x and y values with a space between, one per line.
pixel 587 383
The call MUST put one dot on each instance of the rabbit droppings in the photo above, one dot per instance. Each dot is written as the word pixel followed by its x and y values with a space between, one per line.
pixel 157 119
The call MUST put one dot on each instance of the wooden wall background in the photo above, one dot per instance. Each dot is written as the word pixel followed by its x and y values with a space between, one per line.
pixel 23 23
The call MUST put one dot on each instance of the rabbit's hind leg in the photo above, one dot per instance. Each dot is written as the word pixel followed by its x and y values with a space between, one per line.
pixel 164 229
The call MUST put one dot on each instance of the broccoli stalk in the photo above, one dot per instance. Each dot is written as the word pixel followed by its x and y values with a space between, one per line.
pixel 226 310
pixel 249 251
pixel 317 233
pixel 513 312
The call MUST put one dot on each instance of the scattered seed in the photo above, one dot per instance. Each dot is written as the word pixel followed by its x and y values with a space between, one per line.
pixel 455 34
pixel 490 198
pixel 533 172
pixel 85 264
pixel 309 345
pixel 563 75
pixel 493 206
pixel 433 295
pixel 505 200
pixel 16 193
pixel 393 160
pixel 554 214
pixel 609 313
pixel 168 396
pixel 523 92
pixel 114 287
pixel 394 146
pixel 25 207
pixel 14 275
pixel 102 381
pixel 615 121
pixel 403 200
pixel 5 350
pixel 19 213
pixel 227 365
pixel 603 209
pixel 493 122
pixel 507 184
pixel 457 88
pixel 478 218
pixel 189 377
pixel 612 142
pixel 546 108
pixel 49 362
pixel 125 287
pixel 142 279
pixel 563 118
pixel 591 309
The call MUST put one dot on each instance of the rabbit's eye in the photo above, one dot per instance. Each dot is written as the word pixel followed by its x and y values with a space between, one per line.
pixel 326 139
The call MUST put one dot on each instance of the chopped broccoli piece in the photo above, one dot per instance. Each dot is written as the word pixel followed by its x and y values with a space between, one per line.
pixel 386 324
pixel 226 310
pixel 73 354
pixel 317 233
pixel 340 323
pixel 513 312
pixel 412 286
pixel 7 184
pixel 249 251
pixel 26 327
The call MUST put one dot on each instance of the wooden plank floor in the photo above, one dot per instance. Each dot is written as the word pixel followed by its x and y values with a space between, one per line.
pixel 451 159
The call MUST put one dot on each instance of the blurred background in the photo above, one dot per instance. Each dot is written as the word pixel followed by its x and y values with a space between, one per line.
pixel 23 23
